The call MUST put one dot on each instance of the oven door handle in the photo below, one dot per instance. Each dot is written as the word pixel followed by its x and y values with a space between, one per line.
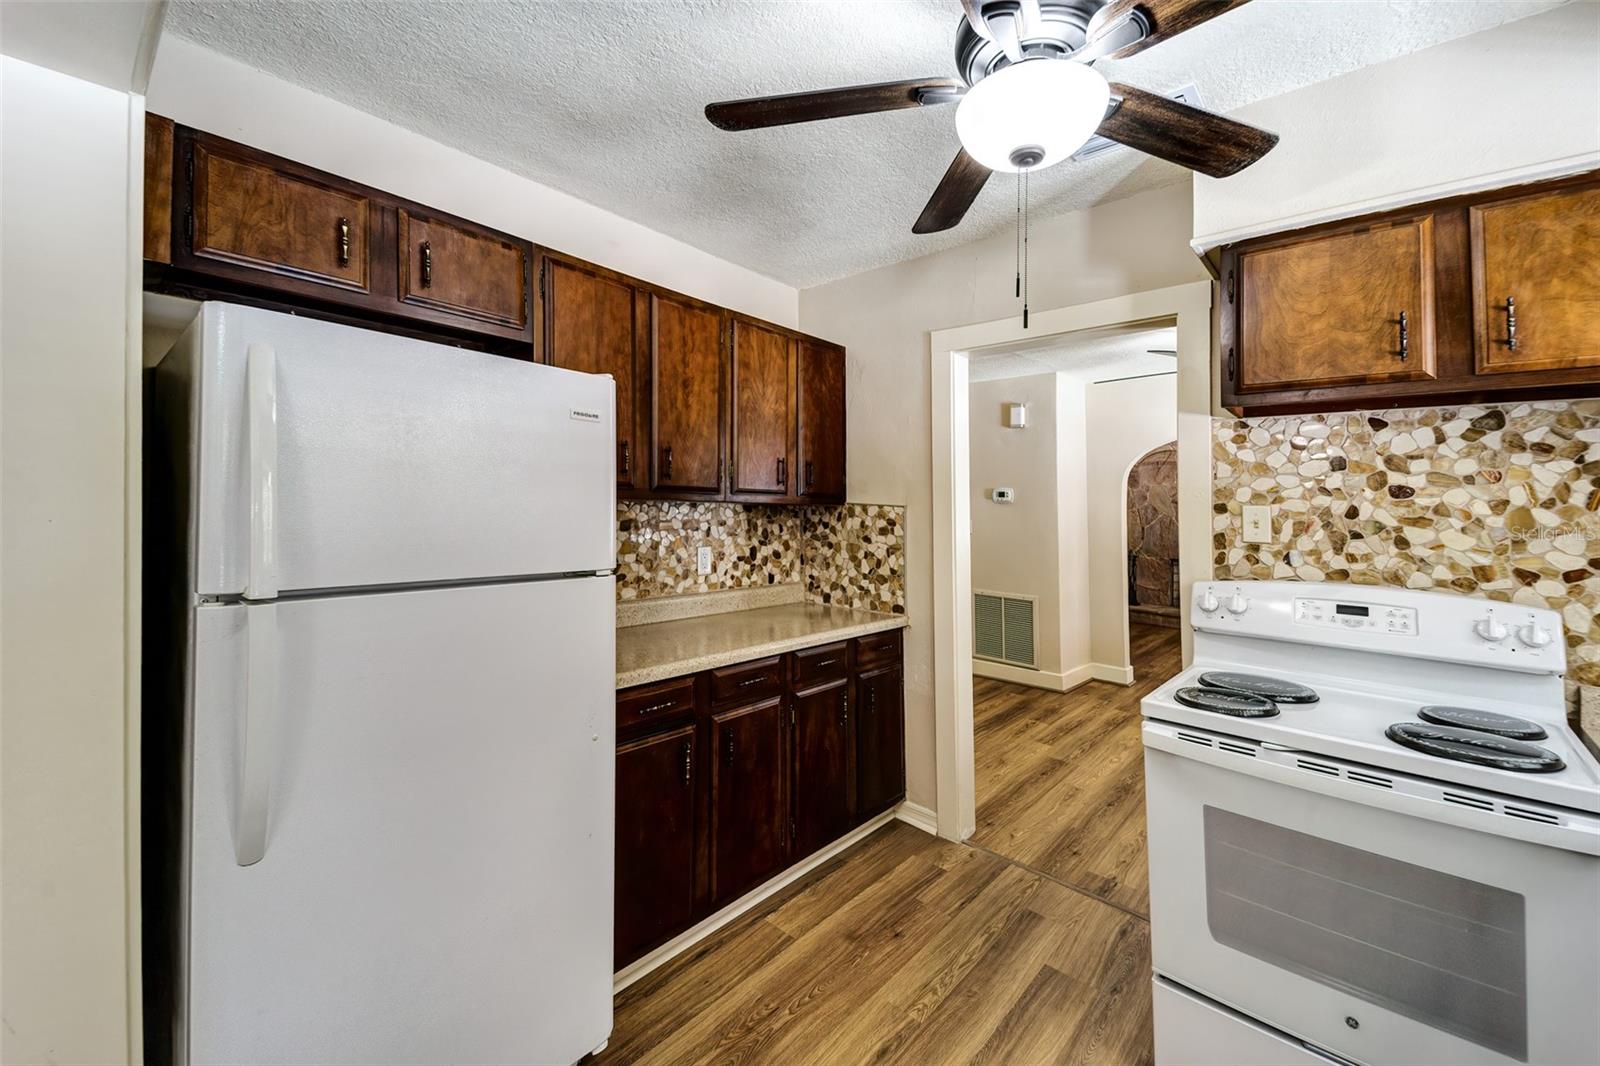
pixel 1406 795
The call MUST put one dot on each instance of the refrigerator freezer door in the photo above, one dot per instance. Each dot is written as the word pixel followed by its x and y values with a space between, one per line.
pixel 435 882
pixel 332 457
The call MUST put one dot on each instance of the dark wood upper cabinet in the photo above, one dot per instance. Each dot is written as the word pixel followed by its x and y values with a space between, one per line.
pixel 1536 281
pixel 655 866
pixel 763 424
pixel 592 323
pixel 158 134
pixel 250 211
pixel 1310 320
pixel 459 269
pixel 822 766
pixel 820 391
pixel 1337 309
pixel 880 739
pixel 749 827
pixel 686 393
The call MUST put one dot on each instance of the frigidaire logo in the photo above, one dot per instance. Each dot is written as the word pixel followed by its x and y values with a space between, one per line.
pixel 585 416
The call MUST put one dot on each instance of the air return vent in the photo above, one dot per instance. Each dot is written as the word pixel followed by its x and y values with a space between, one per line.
pixel 1002 628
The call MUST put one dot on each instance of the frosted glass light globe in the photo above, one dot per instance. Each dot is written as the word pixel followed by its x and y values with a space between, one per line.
pixel 1050 105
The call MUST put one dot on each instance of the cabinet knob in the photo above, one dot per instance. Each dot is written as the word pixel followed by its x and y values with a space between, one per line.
pixel 427 265
pixel 1511 323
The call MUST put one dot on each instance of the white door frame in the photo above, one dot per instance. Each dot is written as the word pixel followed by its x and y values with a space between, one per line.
pixel 1190 305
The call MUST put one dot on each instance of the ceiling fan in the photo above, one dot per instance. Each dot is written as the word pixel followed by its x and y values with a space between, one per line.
pixel 1029 97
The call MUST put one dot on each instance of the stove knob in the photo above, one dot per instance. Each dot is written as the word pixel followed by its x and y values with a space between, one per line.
pixel 1237 603
pixel 1209 602
pixel 1489 629
pixel 1534 635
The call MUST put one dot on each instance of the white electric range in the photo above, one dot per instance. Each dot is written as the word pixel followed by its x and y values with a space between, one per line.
pixel 1373 836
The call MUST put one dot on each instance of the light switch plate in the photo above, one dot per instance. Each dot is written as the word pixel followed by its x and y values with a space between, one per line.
pixel 1257 524
pixel 703 559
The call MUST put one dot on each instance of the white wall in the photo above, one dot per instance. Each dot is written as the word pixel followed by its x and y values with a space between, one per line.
pixel 1515 103
pixel 1123 420
pixel 200 88
pixel 884 318
pixel 68 395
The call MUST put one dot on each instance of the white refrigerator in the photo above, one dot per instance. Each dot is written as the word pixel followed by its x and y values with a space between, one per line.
pixel 379 714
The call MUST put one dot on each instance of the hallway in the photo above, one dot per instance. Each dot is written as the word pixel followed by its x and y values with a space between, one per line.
pixel 1060 776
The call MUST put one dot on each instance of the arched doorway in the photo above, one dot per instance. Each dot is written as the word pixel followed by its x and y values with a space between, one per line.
pixel 1151 498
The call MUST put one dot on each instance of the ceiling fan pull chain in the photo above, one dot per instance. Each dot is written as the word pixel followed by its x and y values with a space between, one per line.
pixel 1024 248
pixel 1019 235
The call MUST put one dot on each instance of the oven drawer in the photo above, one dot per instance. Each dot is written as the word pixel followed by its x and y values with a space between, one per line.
pixel 1192 1030
pixel 1379 935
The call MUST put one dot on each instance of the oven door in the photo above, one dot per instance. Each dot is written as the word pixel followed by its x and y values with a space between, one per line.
pixel 1366 918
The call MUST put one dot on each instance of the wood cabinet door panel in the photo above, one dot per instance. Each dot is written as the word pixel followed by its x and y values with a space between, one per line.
pixel 686 395
pixel 749 837
pixel 590 325
pixel 763 410
pixel 822 766
pixel 250 213
pixel 1536 260
pixel 462 270
pixel 880 741
pixel 655 858
pixel 1327 310
pixel 821 412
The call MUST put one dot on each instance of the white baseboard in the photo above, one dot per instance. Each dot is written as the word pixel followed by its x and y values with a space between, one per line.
pixel 710 924
pixel 1021 675
pixel 1120 675
pixel 919 817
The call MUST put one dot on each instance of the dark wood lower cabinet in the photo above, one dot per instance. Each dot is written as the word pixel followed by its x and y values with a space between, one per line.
pixel 821 766
pixel 737 773
pixel 880 740
pixel 749 821
pixel 655 839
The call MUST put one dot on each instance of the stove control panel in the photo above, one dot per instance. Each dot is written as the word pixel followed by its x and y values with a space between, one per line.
pixel 1350 614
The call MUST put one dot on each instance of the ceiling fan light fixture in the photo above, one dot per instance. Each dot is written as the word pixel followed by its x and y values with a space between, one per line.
pixel 1032 114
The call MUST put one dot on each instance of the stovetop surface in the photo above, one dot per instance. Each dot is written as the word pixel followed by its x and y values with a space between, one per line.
pixel 1349 720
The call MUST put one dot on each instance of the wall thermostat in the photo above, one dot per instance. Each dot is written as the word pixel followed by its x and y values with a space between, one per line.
pixel 1016 415
pixel 1002 495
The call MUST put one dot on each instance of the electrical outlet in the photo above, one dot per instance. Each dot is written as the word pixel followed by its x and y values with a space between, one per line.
pixel 703 559
pixel 1257 524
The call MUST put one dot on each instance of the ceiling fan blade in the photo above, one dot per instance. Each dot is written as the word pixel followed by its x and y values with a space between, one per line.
pixel 957 189
pixel 1162 19
pixel 760 112
pixel 1163 127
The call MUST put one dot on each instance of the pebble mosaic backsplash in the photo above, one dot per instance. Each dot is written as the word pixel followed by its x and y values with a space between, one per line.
pixel 1498 501
pixel 852 555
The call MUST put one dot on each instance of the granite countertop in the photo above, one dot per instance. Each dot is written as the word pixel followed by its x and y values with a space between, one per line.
pixel 662 650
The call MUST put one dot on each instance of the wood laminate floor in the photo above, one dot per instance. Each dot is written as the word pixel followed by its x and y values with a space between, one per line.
pixel 910 949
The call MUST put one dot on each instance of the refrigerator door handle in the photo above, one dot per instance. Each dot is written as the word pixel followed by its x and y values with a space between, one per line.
pixel 258 732
pixel 261 418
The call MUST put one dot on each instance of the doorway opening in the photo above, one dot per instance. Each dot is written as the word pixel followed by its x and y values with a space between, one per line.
pixel 1150 494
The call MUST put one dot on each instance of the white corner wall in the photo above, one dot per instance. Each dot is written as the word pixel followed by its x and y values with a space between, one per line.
pixel 885 317
pixel 1124 420
pixel 68 414
pixel 197 87
pixel 1516 103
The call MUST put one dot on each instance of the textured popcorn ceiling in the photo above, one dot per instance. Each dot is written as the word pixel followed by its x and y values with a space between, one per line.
pixel 1089 355
pixel 604 100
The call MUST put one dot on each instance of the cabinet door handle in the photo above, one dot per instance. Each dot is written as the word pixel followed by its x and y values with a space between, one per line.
pixel 688 761
pixel 344 242
pixel 872 700
pixel 627 459
pixel 666 463
pixel 727 751
pixel 810 470
pixel 1405 338
pixel 747 682
pixel 654 707
pixel 427 265
pixel 844 708
pixel 783 472
pixel 1511 323
pixel 826 662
